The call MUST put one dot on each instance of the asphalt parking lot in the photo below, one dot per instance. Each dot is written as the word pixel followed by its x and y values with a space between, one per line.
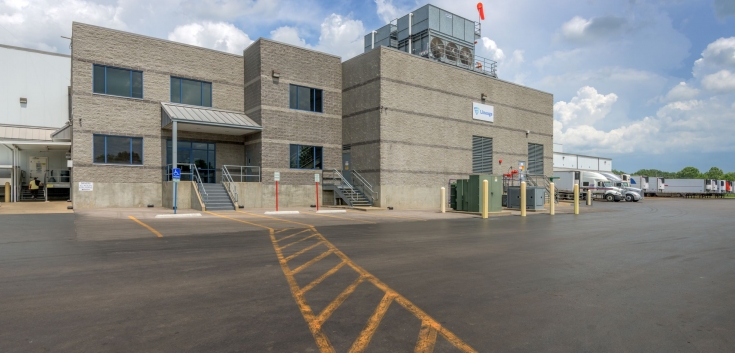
pixel 653 276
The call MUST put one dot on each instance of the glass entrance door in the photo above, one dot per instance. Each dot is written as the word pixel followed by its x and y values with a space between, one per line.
pixel 201 154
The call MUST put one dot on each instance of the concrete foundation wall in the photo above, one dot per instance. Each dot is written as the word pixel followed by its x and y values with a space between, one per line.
pixel 264 195
pixel 106 195
pixel 185 199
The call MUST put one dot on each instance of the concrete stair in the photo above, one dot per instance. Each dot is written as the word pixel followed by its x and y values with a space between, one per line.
pixel 354 197
pixel 217 198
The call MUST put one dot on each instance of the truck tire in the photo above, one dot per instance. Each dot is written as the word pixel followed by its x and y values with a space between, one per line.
pixel 609 198
pixel 628 198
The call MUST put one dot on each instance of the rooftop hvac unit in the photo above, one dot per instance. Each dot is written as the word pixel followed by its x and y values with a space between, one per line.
pixel 451 52
pixel 465 56
pixel 437 48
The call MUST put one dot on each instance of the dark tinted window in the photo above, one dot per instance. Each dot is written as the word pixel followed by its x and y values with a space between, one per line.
pixel 305 157
pixel 305 98
pixel 191 92
pixel 117 81
pixel 118 150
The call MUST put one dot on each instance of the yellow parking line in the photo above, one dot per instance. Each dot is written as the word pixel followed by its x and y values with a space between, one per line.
pixel 311 262
pixel 382 215
pixel 291 257
pixel 329 310
pixel 372 325
pixel 296 242
pixel 241 221
pixel 277 219
pixel 427 339
pixel 321 278
pixel 349 219
pixel 292 235
pixel 147 226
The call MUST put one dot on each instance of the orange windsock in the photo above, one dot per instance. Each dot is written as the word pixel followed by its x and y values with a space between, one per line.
pixel 480 10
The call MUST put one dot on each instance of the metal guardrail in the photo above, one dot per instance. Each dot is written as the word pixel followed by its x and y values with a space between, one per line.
pixel 366 187
pixel 194 176
pixel 242 173
pixel 338 180
pixel 229 183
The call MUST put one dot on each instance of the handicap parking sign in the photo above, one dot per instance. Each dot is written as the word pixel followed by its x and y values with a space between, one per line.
pixel 176 174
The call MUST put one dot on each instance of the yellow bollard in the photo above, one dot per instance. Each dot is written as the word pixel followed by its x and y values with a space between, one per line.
pixel 576 198
pixel 523 199
pixel 7 192
pixel 589 197
pixel 552 207
pixel 444 200
pixel 484 198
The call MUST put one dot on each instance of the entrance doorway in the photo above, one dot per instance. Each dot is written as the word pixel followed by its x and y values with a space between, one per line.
pixel 201 154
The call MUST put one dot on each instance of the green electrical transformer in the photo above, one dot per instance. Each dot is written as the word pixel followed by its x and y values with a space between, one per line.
pixel 467 193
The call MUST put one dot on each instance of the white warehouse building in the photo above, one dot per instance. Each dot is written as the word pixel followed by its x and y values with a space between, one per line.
pixel 570 161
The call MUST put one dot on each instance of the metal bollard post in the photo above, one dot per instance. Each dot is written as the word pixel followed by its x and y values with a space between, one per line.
pixel 589 197
pixel 7 192
pixel 576 198
pixel 523 199
pixel 484 198
pixel 444 200
pixel 552 207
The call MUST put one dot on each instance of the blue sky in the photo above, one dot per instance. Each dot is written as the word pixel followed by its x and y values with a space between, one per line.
pixel 650 83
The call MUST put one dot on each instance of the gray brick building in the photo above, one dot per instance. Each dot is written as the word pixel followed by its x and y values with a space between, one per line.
pixel 401 123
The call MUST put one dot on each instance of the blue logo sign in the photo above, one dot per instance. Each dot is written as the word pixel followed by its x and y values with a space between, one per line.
pixel 176 174
pixel 479 111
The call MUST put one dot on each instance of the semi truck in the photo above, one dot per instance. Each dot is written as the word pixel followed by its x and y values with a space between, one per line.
pixel 649 185
pixel 689 187
pixel 601 187
pixel 630 193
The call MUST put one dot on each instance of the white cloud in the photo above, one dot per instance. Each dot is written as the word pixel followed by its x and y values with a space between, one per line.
pixel 586 108
pixel 387 11
pixel 219 36
pixel 681 92
pixel 228 10
pixel 718 54
pixel 722 81
pixel 289 35
pixel 492 51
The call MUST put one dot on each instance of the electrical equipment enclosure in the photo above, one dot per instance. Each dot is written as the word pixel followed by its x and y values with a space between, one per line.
pixel 535 197
pixel 495 192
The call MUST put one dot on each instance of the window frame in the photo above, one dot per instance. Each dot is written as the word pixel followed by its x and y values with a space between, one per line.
pixel 142 86
pixel 298 161
pixel 312 91
pixel 131 138
pixel 181 91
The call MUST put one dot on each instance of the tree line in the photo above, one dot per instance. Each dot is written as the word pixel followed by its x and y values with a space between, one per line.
pixel 686 173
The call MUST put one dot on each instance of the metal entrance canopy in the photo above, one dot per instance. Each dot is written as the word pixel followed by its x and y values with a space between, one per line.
pixel 206 120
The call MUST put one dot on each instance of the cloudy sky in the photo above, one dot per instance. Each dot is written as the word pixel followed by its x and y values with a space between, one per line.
pixel 650 83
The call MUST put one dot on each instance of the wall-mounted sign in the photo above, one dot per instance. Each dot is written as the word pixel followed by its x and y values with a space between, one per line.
pixel 86 186
pixel 277 176
pixel 316 178
pixel 483 112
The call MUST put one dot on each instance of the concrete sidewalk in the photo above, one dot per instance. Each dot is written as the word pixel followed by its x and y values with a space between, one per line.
pixel 34 207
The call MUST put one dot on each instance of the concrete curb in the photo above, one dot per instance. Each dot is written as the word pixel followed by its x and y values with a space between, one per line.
pixel 331 211
pixel 181 215
pixel 281 212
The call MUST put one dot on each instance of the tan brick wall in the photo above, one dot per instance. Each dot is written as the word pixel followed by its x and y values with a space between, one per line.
pixel 158 60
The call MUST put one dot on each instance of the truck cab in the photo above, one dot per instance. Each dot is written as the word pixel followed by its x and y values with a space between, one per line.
pixel 630 193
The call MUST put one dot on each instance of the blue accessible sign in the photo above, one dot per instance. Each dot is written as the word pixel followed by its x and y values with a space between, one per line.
pixel 176 174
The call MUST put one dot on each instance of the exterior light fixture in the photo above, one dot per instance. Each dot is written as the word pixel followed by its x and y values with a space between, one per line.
pixel 276 74
pixel 23 100
pixel 483 96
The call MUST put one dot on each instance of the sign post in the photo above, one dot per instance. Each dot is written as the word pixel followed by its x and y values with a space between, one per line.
pixel 277 178
pixel 176 176
pixel 316 180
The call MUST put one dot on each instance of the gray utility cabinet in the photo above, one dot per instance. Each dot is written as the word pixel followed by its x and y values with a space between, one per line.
pixel 535 197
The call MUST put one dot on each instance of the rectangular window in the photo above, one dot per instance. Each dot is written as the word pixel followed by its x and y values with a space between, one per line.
pixel 305 98
pixel 535 159
pixel 117 81
pixel 191 92
pixel 306 157
pixel 117 149
pixel 482 155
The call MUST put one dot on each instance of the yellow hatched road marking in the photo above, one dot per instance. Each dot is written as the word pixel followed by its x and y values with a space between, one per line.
pixel 277 219
pixel 298 241
pixel 292 235
pixel 331 216
pixel 291 257
pixel 282 230
pixel 367 333
pixel 322 278
pixel 427 339
pixel 147 226
pixel 430 327
pixel 311 262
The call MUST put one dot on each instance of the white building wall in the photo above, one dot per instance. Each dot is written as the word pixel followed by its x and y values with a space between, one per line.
pixel 43 78
pixel 568 161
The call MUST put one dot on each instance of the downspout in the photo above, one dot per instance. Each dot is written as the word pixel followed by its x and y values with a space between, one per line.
pixel 410 34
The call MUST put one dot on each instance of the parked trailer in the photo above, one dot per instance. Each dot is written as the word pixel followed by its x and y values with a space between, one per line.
pixel 631 193
pixel 690 187
pixel 651 186
pixel 601 187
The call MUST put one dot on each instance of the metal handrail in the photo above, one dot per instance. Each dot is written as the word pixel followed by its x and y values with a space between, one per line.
pixel 366 185
pixel 228 183
pixel 346 184
pixel 194 175
pixel 245 171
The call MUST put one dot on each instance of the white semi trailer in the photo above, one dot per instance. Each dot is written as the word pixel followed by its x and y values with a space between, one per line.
pixel 601 187
pixel 651 186
pixel 690 187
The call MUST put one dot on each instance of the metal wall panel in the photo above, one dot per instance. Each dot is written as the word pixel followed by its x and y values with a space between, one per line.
pixel 458 27
pixel 469 31
pixel 445 22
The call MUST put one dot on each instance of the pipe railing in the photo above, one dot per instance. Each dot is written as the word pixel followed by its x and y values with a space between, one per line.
pixel 340 182
pixel 242 173
pixel 193 173
pixel 229 183
pixel 364 185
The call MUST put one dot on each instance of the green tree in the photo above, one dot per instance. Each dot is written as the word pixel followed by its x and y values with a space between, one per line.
pixel 617 172
pixel 689 173
pixel 714 173
pixel 655 173
pixel 729 176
